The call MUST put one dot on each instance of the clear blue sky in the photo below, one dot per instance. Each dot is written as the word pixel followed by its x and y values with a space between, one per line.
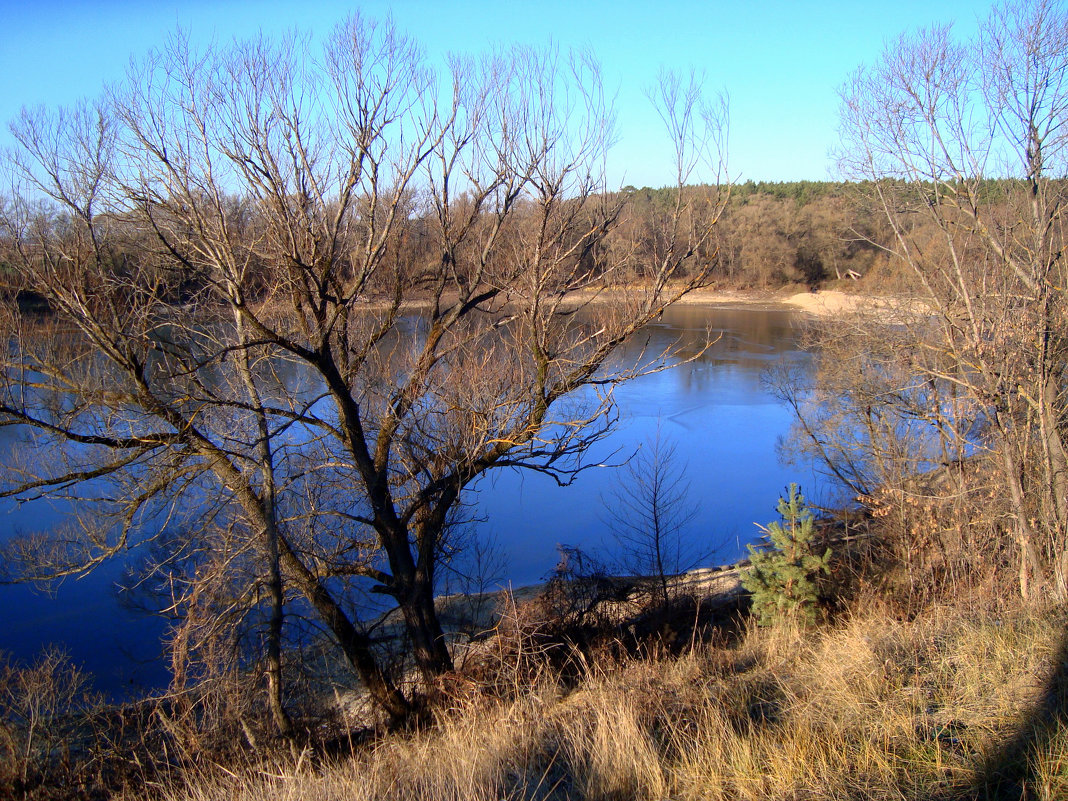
pixel 780 61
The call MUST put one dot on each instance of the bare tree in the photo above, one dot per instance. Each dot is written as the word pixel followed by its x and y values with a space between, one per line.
pixel 872 413
pixel 648 513
pixel 965 146
pixel 313 302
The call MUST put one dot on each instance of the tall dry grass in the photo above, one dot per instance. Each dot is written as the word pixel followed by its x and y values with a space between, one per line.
pixel 869 708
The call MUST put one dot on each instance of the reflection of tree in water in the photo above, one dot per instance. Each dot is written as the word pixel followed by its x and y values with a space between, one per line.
pixel 746 334
pixel 745 341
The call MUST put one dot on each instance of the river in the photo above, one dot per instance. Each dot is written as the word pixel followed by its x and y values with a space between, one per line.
pixel 715 411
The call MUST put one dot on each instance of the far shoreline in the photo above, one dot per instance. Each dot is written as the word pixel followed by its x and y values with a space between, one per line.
pixel 821 303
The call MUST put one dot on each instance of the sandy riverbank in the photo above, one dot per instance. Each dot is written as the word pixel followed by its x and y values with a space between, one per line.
pixel 825 303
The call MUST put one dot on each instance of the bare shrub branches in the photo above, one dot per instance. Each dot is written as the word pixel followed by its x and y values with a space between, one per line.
pixel 930 125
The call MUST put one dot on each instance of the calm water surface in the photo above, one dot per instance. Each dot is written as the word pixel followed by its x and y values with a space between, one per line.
pixel 715 411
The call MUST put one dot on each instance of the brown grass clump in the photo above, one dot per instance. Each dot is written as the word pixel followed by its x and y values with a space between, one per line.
pixel 952 704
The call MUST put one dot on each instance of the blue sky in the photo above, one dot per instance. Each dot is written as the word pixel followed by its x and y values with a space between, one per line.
pixel 780 62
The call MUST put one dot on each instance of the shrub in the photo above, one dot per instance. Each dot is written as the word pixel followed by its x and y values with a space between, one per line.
pixel 781 576
pixel 44 707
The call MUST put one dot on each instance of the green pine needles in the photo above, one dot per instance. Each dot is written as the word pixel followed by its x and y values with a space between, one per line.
pixel 781 575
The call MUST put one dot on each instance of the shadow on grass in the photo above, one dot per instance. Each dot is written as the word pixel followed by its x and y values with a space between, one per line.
pixel 1013 771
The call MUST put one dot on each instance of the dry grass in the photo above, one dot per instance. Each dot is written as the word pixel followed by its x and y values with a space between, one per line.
pixel 871 708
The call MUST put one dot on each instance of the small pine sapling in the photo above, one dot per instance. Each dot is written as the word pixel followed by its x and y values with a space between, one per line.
pixel 781 576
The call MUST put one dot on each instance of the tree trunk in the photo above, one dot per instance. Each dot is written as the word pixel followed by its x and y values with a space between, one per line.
pixel 413 589
pixel 274 640
pixel 355 645
pixel 1030 564
pixel 275 589
pixel 1056 483
pixel 429 648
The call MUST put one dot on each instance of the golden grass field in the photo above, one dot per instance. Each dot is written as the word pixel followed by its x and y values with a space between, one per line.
pixel 954 703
